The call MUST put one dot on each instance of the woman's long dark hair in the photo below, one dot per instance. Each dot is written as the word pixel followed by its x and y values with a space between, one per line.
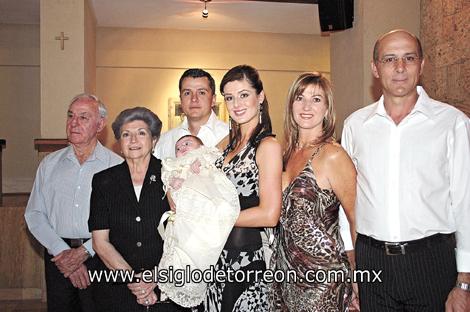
pixel 250 74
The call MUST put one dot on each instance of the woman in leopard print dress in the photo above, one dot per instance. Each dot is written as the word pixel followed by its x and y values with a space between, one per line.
pixel 319 176
pixel 252 160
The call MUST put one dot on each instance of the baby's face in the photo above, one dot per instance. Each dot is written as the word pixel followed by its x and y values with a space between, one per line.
pixel 185 145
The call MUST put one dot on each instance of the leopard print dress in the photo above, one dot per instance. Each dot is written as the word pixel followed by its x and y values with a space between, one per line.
pixel 243 250
pixel 309 240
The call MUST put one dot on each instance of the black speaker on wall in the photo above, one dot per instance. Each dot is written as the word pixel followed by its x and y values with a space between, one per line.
pixel 336 14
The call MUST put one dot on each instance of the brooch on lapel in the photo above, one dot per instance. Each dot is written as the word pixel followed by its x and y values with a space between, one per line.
pixel 153 178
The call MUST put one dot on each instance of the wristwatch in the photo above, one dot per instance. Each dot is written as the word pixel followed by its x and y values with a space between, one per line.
pixel 463 286
pixel 89 254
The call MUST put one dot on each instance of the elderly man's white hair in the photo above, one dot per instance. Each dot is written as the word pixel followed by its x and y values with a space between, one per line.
pixel 88 96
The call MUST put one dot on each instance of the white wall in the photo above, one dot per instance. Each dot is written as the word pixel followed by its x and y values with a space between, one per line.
pixel 142 66
pixel 19 104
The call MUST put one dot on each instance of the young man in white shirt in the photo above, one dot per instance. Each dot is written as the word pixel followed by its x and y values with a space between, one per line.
pixel 197 94
pixel 413 196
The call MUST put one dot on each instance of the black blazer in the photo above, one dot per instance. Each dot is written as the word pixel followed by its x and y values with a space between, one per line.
pixel 132 224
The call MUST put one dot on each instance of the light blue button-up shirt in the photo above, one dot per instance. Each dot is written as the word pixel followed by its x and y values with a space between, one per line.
pixel 59 204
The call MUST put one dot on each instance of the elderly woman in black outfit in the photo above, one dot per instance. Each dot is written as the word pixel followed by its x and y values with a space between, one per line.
pixel 127 202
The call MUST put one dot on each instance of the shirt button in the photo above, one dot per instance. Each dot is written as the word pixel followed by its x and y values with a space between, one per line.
pixel 139 244
pixel 76 205
pixel 78 187
pixel 137 219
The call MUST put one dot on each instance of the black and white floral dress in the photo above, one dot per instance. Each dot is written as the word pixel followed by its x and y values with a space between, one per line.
pixel 244 248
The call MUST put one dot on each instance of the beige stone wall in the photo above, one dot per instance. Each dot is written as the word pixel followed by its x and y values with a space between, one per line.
pixel 445 35
pixel 142 66
pixel 19 104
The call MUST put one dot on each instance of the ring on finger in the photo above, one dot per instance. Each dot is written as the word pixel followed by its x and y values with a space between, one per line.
pixel 147 302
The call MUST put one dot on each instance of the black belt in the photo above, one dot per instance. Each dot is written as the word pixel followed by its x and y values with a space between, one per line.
pixel 401 248
pixel 75 242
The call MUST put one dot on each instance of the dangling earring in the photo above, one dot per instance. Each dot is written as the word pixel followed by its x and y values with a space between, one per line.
pixel 229 123
pixel 260 113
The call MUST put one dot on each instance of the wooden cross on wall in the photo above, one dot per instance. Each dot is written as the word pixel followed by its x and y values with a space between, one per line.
pixel 62 39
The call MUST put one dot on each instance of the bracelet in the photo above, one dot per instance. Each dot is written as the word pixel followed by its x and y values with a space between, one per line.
pixel 463 286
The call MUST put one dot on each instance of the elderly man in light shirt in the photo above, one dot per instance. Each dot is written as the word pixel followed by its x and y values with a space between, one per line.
pixel 197 94
pixel 413 188
pixel 58 208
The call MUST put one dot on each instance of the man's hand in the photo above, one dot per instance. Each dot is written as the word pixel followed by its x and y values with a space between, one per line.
pixel 68 261
pixel 458 301
pixel 80 278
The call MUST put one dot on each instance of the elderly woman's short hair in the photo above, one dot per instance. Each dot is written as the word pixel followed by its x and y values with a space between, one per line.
pixel 137 113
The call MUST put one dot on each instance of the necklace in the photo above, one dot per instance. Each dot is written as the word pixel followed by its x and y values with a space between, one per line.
pixel 308 145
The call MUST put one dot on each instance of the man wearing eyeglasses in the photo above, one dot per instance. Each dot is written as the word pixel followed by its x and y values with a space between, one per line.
pixel 412 154
pixel 59 205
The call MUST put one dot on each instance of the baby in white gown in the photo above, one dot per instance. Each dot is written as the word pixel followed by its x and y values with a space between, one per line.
pixel 207 207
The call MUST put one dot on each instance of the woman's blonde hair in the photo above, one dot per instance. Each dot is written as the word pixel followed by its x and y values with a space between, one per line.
pixel 291 129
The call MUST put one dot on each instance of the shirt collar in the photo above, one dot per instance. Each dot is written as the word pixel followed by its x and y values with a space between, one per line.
pixel 98 153
pixel 379 110
pixel 211 122
pixel 422 105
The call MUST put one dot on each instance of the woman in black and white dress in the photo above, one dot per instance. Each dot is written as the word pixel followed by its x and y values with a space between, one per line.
pixel 252 160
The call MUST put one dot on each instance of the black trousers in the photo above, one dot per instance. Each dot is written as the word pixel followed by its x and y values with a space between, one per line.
pixel 419 280
pixel 62 296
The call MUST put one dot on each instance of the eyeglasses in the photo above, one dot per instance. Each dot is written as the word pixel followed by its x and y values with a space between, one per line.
pixel 392 60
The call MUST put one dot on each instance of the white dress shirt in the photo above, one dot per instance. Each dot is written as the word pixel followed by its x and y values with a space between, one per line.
pixel 413 178
pixel 211 133
pixel 59 204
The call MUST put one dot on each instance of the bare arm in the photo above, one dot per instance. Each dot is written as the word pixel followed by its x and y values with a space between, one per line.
pixel 108 254
pixel 269 161
pixel 171 202
pixel 342 178
pixel 114 261
pixel 459 164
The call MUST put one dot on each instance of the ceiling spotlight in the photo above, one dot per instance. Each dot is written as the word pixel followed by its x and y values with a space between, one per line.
pixel 205 12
